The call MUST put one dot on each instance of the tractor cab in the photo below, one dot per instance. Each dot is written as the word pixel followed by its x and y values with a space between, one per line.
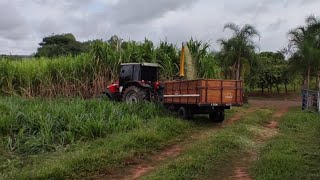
pixel 138 72
pixel 137 82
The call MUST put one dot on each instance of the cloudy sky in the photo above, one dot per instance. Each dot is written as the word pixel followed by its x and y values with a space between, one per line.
pixel 23 23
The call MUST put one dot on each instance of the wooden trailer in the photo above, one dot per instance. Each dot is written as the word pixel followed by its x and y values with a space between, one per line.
pixel 203 96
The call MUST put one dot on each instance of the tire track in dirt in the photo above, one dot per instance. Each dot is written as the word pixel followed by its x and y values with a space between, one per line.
pixel 136 170
pixel 242 166
pixel 142 169
pixel 239 115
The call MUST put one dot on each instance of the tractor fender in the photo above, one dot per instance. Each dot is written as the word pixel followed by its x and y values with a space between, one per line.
pixel 136 83
pixel 109 94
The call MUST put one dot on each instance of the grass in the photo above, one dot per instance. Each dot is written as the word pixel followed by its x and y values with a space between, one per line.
pixel 62 138
pixel 76 139
pixel 206 158
pixel 295 154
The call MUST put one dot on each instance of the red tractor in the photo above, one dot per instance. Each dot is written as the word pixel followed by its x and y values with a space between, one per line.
pixel 137 82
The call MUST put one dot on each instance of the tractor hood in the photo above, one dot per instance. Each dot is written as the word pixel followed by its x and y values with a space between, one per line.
pixel 143 64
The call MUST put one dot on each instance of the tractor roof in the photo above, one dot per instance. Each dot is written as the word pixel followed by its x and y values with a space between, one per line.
pixel 142 64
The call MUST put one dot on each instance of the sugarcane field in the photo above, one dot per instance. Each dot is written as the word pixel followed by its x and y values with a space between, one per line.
pixel 184 89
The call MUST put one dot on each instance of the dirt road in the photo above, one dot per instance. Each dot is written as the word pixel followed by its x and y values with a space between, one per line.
pixel 138 168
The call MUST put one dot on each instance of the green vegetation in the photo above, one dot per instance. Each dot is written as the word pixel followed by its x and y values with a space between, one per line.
pixel 70 137
pixel 208 157
pixel 66 137
pixel 68 76
pixel 69 68
pixel 295 153
pixel 292 153
pixel 305 47
pixel 271 71
pixel 88 74
pixel 58 45
pixel 238 48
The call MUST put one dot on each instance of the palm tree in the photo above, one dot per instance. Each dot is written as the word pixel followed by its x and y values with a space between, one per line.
pixel 240 46
pixel 304 43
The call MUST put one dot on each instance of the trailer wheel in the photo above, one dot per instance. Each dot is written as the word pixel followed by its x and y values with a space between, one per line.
pixel 217 116
pixel 184 113
pixel 134 94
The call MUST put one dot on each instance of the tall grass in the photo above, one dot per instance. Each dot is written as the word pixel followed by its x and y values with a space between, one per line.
pixel 88 74
pixel 33 126
pixel 52 77
pixel 62 138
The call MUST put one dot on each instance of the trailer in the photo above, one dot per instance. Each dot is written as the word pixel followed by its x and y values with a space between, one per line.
pixel 202 96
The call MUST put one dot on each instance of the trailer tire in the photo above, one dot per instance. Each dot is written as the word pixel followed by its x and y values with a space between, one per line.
pixel 184 113
pixel 217 116
pixel 134 94
pixel 220 117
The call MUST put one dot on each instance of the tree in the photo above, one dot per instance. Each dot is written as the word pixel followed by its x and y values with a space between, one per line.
pixel 270 71
pixel 58 45
pixel 237 48
pixel 304 44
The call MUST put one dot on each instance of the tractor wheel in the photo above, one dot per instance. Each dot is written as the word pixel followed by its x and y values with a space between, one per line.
pixel 134 94
pixel 184 113
pixel 217 116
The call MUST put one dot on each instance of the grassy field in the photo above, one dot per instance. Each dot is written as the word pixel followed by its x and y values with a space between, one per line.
pixel 72 137
pixel 295 153
pixel 68 138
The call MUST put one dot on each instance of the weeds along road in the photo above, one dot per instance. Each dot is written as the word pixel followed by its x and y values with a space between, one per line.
pixel 236 168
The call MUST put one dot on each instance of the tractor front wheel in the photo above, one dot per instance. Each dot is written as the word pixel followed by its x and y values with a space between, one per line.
pixel 134 94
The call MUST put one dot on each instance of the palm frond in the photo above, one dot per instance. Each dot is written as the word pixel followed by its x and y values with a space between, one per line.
pixel 232 26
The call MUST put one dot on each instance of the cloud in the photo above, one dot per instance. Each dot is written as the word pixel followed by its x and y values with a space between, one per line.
pixel 142 11
pixel 23 23
pixel 12 25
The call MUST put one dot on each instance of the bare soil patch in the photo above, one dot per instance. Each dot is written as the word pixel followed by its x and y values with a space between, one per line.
pixel 141 169
pixel 241 174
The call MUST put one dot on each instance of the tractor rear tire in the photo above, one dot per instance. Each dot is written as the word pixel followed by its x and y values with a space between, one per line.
pixel 134 94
